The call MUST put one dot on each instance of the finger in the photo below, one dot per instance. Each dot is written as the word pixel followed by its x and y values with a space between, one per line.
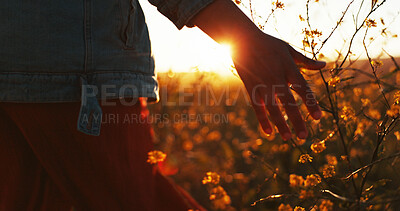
pixel 258 104
pixel 259 108
pixel 292 111
pixel 301 87
pixel 307 62
pixel 275 113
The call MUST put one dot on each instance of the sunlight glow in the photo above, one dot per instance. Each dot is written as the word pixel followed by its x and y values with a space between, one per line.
pixel 217 58
pixel 191 50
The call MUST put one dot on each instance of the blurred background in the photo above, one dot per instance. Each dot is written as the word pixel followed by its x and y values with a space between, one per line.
pixel 204 122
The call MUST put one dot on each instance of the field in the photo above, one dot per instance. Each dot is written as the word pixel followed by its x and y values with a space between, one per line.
pixel 350 160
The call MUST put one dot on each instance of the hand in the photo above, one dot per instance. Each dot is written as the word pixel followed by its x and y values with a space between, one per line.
pixel 265 64
pixel 267 68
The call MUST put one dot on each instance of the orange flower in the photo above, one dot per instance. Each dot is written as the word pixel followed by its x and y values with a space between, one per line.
pixel 220 198
pixel 326 205
pixel 318 147
pixel 370 23
pixel 376 63
pixel 397 134
pixel 331 159
pixel 156 156
pixel 285 207
pixel 312 33
pixel 305 158
pixel 328 171
pixel 211 178
pixel 397 97
pixel 334 81
pixel 298 208
pixel 295 180
pixel 365 102
pixel 393 111
pixel 347 113
pixel 306 194
pixel 312 180
pixel 279 4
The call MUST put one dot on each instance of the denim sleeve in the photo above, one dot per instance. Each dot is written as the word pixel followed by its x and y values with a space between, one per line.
pixel 180 11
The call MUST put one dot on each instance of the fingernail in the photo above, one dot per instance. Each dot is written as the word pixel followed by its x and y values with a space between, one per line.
pixel 302 135
pixel 287 136
pixel 317 114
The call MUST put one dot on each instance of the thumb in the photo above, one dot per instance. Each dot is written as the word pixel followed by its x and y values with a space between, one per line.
pixel 307 62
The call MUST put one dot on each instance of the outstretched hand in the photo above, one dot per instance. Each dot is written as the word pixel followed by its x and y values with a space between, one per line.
pixel 268 68
pixel 266 65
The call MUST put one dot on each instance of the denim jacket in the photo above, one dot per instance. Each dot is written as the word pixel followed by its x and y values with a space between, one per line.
pixel 81 50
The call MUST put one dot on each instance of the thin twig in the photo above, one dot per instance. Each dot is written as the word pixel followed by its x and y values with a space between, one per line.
pixel 371 164
pixel 334 29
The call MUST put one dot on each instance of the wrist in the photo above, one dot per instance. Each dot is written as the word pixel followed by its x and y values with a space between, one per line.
pixel 224 22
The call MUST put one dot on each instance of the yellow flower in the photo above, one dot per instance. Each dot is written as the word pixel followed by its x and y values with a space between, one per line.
pixel 312 34
pixel 370 23
pixel 326 205
pixel 397 97
pixel 374 113
pixel 295 180
pixel 217 192
pixel 306 194
pixel 318 146
pixel 365 102
pixel 312 180
pixel 211 178
pixel 305 158
pixel 156 156
pixel 397 134
pixel 331 159
pixel 285 207
pixel 328 171
pixel 347 113
pixel 298 208
pixel 357 91
pixel 393 111
pixel 333 81
pixel 306 43
pixel 361 127
pixel 376 63
pixel 220 198
pixel 279 5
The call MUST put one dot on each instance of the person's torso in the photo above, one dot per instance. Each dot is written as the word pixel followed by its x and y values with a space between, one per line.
pixel 77 36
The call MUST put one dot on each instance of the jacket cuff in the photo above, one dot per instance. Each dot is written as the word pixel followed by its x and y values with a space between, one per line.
pixel 180 12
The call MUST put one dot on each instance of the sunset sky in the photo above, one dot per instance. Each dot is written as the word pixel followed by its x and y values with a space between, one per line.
pixel 190 49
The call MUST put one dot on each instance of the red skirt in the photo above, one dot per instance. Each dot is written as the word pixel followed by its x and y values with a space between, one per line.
pixel 46 164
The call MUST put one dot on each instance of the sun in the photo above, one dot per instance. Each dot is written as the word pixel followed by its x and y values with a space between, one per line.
pixel 201 53
pixel 216 58
pixel 225 49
